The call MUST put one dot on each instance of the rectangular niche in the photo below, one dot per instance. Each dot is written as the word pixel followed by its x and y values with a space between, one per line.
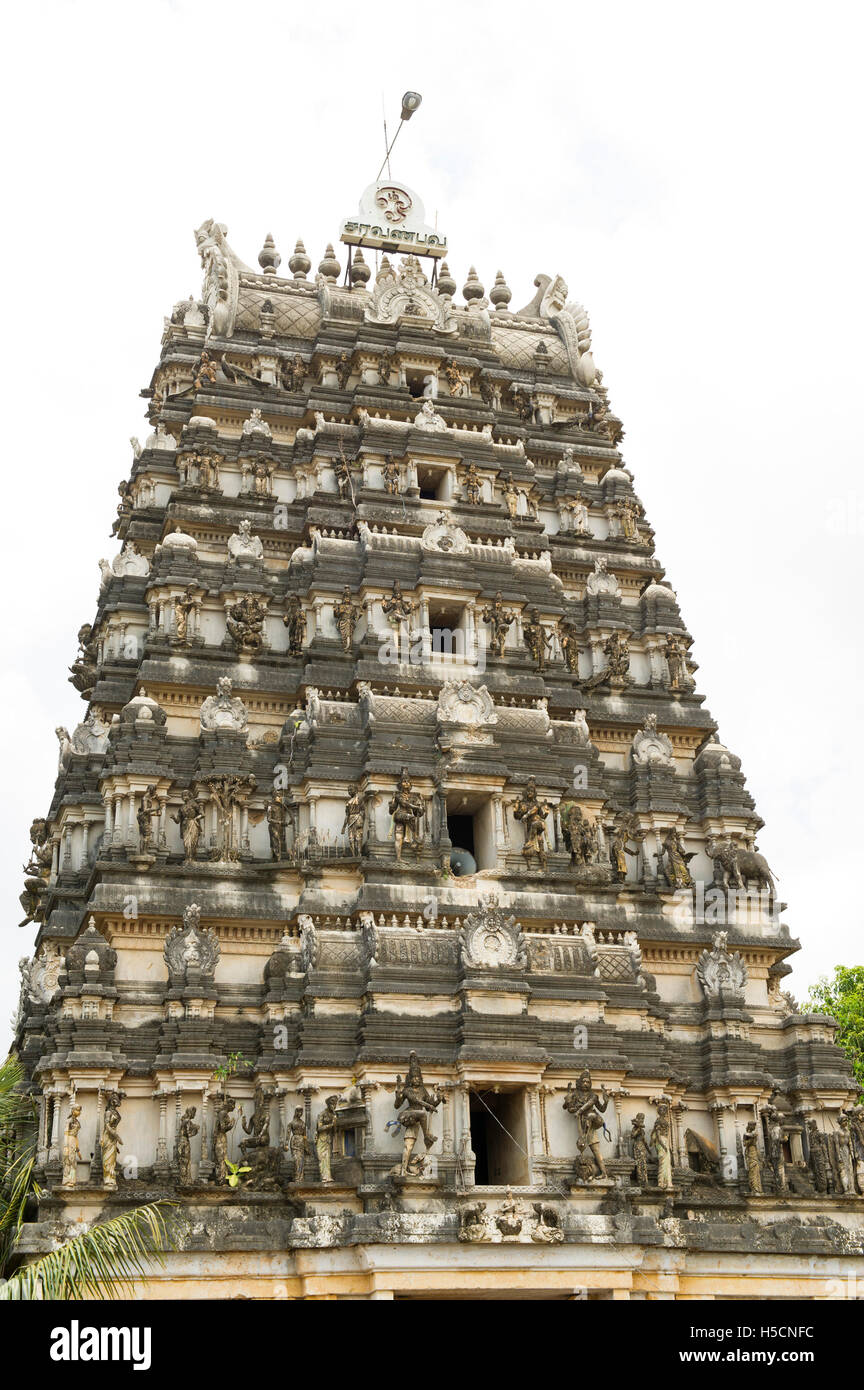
pixel 471 826
pixel 499 1137
pixel 434 482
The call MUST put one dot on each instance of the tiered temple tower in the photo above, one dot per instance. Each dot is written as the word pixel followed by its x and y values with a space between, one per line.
pixel 396 861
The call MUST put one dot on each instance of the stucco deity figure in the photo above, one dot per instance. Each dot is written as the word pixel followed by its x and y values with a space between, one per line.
pixel 843 1150
pixel 661 1143
pixel 580 835
pixel 511 1215
pixel 625 830
pixel 385 368
pixel 187 1131
pixel 676 659
pixel 37 871
pixel 587 1108
pixel 205 371
pixel 819 1162
pixel 295 622
pixel 457 383
pixel 71 1151
pixel 510 493
pixel 752 1158
pixel 472 485
pixel 568 637
pixel 228 792
pixel 325 1133
pixel 420 1102
pixel 346 615
pixel 536 638
pixel 84 668
pixel 190 818
pixel 277 819
pixel 390 474
pixel 532 812
pixel 574 517
pixel 628 519
pixel 774 1136
pixel 500 620
pixel 673 860
pixel 184 606
pixel 407 808
pixel 294 374
pixel 223 1124
pixel 110 1141
pixel 616 649
pixel 258 1126
pixel 343 370
pixel 354 824
pixel 144 816
pixel 245 622
pixel 397 608
pixel 342 473
pixel 639 1149
pixel 298 1143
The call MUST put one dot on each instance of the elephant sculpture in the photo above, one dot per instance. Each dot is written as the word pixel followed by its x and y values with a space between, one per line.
pixel 734 866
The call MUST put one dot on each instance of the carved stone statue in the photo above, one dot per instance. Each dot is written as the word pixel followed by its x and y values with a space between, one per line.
pixel 673 859
pixel 110 1141
pixel 223 1125
pixel 625 830
pixel 298 1143
pixel 390 473
pixel 205 371
pixel 71 1151
pixel 752 1158
pixel 639 1149
pixel 820 1166
pixel 719 971
pixel 295 621
pixel 228 792
pixel 188 1130
pixel 420 1103
pixel 580 835
pixel 472 485
pixel 397 608
pixel 661 1143
pixel 37 872
pixel 568 637
pixel 511 1215
pixel 190 818
pixel 277 819
pixel 325 1133
pixel 775 1134
pixel 407 808
pixel 510 493
pixel 354 824
pixel 144 816
pixel 676 660
pixel 242 545
pixel 346 615
pixel 536 638
pixel 500 620
pixel 529 809
pixel 84 669
pixel 245 622
pixel 587 1108
pixel 184 605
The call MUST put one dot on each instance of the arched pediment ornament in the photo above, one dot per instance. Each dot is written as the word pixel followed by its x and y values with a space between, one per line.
pixel 491 940
pixel 720 971
pixel 406 291
pixel 460 703
pixel 192 947
pixel 443 535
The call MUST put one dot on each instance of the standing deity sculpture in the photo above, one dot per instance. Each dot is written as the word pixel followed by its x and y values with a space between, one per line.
pixel 472 484
pixel 354 824
pixel 223 1124
pixel 110 1140
pixel 295 623
pixel 385 368
pixel 205 371
pixel 185 605
pixel 661 1143
pixel 342 473
pixel 343 370
pixel 529 809
pixel 187 1131
pixel 820 1165
pixel 752 1158
pixel 673 859
pixel 71 1151
pixel 627 515
pixel 325 1133
pixel 298 1143
pixel 511 1215
pixel 625 830
pixel 457 383
pixel 536 638
pixel 277 820
pixel 407 808
pixel 228 792
pixel 675 653
pixel 346 615
pixel 845 1158
pixel 775 1134
pixel 510 493
pixel 390 475
pixel 639 1149
pixel 190 818
pixel 420 1102
pixel 580 835
pixel 37 872
pixel 568 638
pixel 500 619
pixel 245 622
pixel 587 1108
pixel 144 816
pixel 84 669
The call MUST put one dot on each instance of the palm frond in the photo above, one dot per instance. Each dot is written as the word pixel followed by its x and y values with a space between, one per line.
pixel 14 1105
pixel 104 1262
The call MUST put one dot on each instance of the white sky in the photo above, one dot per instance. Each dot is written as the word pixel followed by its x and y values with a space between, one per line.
pixel 694 174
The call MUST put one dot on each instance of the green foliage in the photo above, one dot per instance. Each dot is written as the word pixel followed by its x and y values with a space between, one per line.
pixel 102 1262
pixel 236 1062
pixel 234 1173
pixel 843 998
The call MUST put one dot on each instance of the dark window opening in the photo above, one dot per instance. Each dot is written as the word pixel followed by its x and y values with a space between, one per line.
pixel 463 860
pixel 499 1138
pixel 432 483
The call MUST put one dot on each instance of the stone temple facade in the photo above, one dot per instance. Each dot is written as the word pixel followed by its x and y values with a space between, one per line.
pixel 400 912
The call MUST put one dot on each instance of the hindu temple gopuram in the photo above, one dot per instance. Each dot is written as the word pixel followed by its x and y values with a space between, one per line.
pixel 400 910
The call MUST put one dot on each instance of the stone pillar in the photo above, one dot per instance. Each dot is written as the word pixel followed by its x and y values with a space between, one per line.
pixel 465 1152
pixel 162 1140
